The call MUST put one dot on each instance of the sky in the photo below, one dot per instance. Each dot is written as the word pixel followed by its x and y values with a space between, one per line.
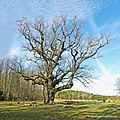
pixel 98 16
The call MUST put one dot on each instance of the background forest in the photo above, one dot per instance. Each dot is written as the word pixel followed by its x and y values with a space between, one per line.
pixel 13 86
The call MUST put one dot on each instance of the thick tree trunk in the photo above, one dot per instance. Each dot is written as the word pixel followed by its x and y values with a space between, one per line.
pixel 48 96
pixel 48 93
pixel 49 90
pixel 45 93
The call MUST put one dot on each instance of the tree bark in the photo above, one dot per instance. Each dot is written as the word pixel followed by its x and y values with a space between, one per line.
pixel 45 92
pixel 49 91
pixel 52 96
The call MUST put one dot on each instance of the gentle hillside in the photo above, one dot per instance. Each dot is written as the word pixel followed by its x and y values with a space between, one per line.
pixel 80 95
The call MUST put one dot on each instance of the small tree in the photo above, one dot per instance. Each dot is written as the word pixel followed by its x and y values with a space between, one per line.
pixel 58 49
pixel 117 85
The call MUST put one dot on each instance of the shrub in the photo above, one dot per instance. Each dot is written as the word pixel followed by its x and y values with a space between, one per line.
pixel 1 96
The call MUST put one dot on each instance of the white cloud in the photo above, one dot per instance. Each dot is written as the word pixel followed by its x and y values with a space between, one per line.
pixel 12 10
pixel 14 51
pixel 105 85
pixel 114 65
pixel 81 8
pixel 102 67
pixel 112 28
pixel 93 25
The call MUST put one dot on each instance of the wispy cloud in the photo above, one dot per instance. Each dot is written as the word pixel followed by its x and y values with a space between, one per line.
pixel 111 50
pixel 12 10
pixel 114 65
pixel 112 28
pixel 81 8
pixel 102 67
pixel 105 84
pixel 93 25
pixel 13 51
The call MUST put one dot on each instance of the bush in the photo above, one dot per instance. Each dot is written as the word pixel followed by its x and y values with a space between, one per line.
pixel 1 96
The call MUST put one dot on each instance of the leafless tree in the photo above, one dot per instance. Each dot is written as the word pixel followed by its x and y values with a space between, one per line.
pixel 58 48
pixel 117 85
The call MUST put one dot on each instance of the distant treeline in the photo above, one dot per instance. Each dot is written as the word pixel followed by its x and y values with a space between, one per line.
pixel 80 95
pixel 13 86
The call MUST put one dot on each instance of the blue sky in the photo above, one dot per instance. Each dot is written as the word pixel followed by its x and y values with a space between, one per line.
pixel 99 16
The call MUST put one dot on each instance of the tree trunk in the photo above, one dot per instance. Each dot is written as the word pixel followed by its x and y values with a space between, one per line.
pixel 52 96
pixel 48 93
pixel 45 93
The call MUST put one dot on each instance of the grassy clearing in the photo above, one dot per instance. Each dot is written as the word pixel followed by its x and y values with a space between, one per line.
pixel 100 111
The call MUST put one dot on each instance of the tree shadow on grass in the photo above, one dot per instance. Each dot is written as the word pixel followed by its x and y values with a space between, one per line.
pixel 58 112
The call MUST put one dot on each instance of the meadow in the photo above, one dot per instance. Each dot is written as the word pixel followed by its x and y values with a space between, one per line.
pixel 27 110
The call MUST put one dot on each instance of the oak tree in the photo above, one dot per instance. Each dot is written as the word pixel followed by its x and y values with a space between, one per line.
pixel 58 48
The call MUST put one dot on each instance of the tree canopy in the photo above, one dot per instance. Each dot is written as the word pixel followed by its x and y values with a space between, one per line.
pixel 58 48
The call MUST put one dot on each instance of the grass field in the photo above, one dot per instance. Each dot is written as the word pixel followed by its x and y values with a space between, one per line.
pixel 93 111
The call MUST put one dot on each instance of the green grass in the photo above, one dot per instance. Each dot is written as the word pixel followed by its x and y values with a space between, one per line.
pixel 99 111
